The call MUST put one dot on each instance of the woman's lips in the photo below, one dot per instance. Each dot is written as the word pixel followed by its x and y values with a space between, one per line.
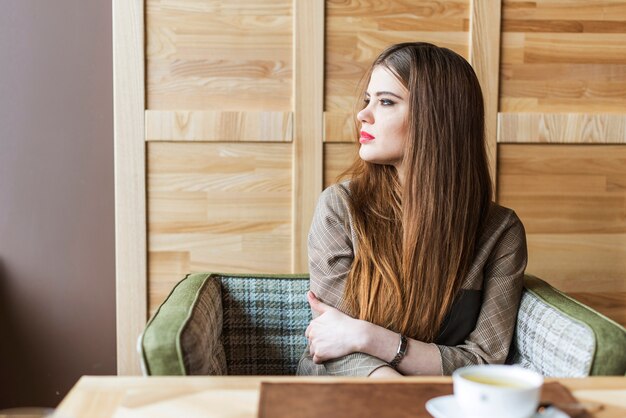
pixel 365 137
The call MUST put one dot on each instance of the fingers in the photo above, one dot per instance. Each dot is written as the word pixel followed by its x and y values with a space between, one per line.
pixel 316 304
pixel 312 299
pixel 312 350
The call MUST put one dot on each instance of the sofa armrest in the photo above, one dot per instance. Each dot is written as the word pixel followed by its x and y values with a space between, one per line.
pixel 559 336
pixel 184 335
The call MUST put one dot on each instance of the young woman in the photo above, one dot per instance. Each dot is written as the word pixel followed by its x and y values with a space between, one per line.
pixel 414 270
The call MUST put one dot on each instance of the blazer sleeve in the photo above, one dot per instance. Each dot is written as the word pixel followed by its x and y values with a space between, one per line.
pixel 331 246
pixel 503 282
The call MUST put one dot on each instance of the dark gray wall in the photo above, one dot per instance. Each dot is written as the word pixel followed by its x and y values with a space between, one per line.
pixel 57 263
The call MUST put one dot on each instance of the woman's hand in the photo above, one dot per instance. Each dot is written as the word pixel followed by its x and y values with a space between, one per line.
pixel 332 334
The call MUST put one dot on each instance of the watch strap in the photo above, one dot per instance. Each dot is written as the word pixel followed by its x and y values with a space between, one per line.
pixel 401 352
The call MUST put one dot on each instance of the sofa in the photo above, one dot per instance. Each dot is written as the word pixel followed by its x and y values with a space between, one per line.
pixel 253 324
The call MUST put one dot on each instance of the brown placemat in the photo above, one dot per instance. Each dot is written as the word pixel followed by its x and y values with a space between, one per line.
pixel 348 400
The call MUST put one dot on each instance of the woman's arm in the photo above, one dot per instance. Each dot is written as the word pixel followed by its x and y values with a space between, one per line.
pixel 420 358
pixel 331 252
pixel 334 334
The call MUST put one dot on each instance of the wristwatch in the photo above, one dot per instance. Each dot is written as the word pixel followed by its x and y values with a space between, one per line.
pixel 401 352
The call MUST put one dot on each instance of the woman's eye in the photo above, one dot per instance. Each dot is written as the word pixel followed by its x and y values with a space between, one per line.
pixel 386 102
pixel 366 101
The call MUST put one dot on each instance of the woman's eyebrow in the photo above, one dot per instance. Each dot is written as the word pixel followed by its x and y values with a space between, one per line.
pixel 382 93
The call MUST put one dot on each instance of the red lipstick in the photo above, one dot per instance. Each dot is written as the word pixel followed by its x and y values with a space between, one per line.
pixel 365 137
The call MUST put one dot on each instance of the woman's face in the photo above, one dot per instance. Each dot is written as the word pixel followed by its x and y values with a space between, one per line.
pixel 384 120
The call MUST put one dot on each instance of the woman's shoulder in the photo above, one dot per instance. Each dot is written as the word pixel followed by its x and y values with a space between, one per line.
pixel 501 215
pixel 332 212
pixel 335 196
pixel 338 189
pixel 500 220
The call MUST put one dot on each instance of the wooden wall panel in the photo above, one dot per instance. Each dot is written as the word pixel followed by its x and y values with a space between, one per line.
pixel 227 81
pixel 563 56
pixel 572 201
pixel 218 55
pixel 217 207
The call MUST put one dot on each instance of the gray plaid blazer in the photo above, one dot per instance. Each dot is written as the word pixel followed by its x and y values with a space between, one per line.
pixel 479 327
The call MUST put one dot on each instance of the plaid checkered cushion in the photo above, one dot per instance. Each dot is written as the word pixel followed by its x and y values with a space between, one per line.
pixel 264 323
pixel 550 342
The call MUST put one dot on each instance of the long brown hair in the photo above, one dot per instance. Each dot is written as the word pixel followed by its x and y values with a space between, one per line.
pixel 416 241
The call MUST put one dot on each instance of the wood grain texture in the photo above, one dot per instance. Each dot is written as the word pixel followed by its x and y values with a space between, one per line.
pixel 357 31
pixel 163 125
pixel 238 396
pixel 563 56
pixel 215 55
pixel 308 119
pixel 610 304
pixel 130 201
pixel 571 199
pixel 337 159
pixel 484 55
pixel 601 128
pixel 217 207
pixel 339 127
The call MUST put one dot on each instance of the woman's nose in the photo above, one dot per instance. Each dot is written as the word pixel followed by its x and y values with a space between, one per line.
pixel 365 115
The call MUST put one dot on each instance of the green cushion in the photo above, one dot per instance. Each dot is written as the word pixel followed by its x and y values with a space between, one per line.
pixel 191 316
pixel 610 354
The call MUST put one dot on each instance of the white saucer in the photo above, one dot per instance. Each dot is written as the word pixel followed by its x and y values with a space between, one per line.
pixel 446 407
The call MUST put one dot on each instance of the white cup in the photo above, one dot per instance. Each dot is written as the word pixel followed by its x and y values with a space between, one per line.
pixel 497 391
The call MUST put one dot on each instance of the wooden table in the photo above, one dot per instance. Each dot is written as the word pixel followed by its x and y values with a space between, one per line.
pixel 237 396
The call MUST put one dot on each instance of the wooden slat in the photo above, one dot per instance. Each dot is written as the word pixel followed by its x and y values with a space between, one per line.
pixel 339 127
pixel 163 125
pixel 308 111
pixel 130 200
pixel 583 128
pixel 596 48
pixel 484 55
pixel 569 10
